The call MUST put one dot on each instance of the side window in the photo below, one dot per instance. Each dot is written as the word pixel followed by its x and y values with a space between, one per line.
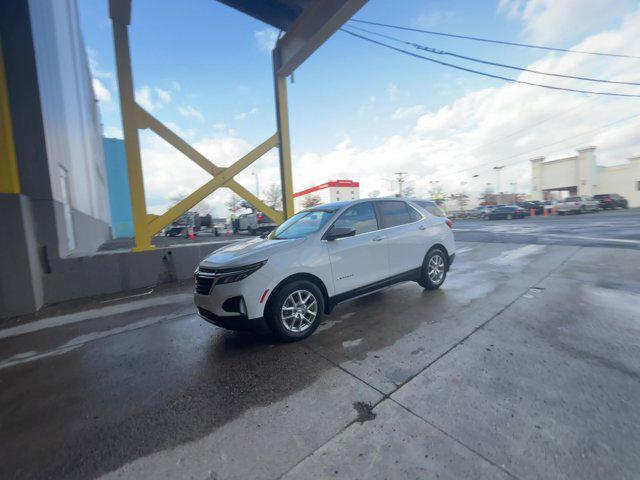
pixel 413 213
pixel 432 208
pixel 394 213
pixel 362 217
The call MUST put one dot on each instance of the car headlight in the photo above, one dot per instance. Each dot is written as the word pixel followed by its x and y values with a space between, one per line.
pixel 232 274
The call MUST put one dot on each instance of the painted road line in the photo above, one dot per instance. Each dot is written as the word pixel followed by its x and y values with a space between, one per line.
pixel 67 319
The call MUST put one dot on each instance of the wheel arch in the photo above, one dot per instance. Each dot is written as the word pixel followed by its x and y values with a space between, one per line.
pixel 441 247
pixel 301 276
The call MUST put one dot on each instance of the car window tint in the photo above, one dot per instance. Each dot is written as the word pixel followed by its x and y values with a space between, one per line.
pixel 394 214
pixel 414 214
pixel 361 216
pixel 433 208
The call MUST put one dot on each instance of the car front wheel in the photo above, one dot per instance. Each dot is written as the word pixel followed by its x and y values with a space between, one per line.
pixel 296 311
pixel 434 269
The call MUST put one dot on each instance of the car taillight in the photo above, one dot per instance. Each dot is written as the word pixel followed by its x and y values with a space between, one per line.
pixel 259 217
pixel 449 223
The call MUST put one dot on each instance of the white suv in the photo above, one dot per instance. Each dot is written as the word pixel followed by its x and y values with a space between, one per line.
pixel 320 257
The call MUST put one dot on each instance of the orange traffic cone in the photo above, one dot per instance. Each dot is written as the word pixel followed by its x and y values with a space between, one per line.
pixel 192 235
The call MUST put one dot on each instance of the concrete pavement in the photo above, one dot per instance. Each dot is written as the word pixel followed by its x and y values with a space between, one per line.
pixel 525 364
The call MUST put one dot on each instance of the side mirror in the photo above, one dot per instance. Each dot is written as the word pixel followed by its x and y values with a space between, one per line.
pixel 339 232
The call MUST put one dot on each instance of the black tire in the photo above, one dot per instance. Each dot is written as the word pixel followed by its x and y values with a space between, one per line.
pixel 273 314
pixel 425 280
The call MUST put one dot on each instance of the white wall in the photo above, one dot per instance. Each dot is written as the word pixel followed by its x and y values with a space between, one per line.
pixel 69 110
pixel 622 179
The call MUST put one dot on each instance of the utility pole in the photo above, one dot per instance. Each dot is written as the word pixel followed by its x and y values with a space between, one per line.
pixel 498 192
pixel 400 176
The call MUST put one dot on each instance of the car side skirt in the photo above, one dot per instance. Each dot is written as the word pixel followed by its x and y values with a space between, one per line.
pixel 410 276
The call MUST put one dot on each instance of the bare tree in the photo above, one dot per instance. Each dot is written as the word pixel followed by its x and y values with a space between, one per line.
pixel 311 201
pixel 273 196
pixel 437 194
pixel 234 203
pixel 461 198
pixel 408 191
pixel 374 193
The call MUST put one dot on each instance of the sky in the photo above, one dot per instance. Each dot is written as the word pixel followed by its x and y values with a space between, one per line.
pixel 358 111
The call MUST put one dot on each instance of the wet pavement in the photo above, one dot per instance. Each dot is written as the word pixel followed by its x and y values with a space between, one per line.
pixel 526 364
pixel 609 228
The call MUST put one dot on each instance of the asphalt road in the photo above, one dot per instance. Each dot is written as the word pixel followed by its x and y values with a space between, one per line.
pixel 526 364
pixel 610 228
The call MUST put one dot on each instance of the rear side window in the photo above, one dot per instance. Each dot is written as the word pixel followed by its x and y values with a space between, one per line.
pixel 432 208
pixel 361 216
pixel 572 199
pixel 394 214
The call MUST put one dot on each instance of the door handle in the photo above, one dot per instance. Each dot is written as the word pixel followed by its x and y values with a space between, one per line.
pixel 378 239
pixel 423 227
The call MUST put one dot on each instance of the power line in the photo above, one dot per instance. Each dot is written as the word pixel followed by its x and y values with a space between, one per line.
pixel 501 42
pixel 487 62
pixel 475 167
pixel 499 77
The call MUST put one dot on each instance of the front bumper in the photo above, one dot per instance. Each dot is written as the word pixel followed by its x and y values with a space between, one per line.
pixel 241 299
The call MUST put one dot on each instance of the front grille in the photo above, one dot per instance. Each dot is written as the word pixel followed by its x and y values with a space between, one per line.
pixel 204 284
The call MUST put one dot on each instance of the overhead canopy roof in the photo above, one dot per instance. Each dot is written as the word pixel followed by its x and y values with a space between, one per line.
pixel 308 23
pixel 277 13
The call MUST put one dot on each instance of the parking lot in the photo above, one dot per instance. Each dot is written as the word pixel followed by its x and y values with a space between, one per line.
pixel 526 364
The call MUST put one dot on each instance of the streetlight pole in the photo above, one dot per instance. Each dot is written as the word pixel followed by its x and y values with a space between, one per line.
pixel 400 176
pixel 498 192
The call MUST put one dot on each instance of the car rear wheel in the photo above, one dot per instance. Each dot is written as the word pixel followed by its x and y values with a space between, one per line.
pixel 434 269
pixel 296 310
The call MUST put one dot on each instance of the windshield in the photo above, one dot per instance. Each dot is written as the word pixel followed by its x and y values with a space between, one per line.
pixel 302 224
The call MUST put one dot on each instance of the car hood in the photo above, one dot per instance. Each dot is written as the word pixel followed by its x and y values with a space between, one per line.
pixel 246 253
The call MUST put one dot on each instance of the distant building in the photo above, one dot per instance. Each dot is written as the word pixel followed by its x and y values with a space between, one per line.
pixel 118 182
pixel 580 175
pixel 332 191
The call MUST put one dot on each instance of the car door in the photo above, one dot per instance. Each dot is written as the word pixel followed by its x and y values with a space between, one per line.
pixel 362 259
pixel 407 233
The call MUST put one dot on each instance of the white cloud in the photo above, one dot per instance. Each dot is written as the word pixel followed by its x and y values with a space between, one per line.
pixel 101 92
pixel 176 86
pixel 219 126
pixel 243 115
pixel 191 112
pixel 549 21
pixel 404 112
pixel 163 95
pixel 266 39
pixel 112 132
pixel 143 97
pixel 392 91
pixel 94 65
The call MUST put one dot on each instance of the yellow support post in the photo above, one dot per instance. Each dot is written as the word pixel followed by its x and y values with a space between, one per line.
pixel 282 117
pixel 9 180
pixel 120 13
pixel 135 117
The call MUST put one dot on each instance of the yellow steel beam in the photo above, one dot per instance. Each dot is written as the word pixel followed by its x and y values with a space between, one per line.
pixel 9 180
pixel 135 117
pixel 282 117
pixel 120 12
pixel 204 191
pixel 146 120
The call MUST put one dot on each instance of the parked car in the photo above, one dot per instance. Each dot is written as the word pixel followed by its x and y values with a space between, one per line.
pixel 319 258
pixel 175 230
pixel 579 204
pixel 535 205
pixel 507 212
pixel 255 223
pixel 611 201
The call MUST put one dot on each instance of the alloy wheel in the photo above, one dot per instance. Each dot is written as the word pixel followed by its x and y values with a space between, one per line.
pixel 299 310
pixel 435 268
